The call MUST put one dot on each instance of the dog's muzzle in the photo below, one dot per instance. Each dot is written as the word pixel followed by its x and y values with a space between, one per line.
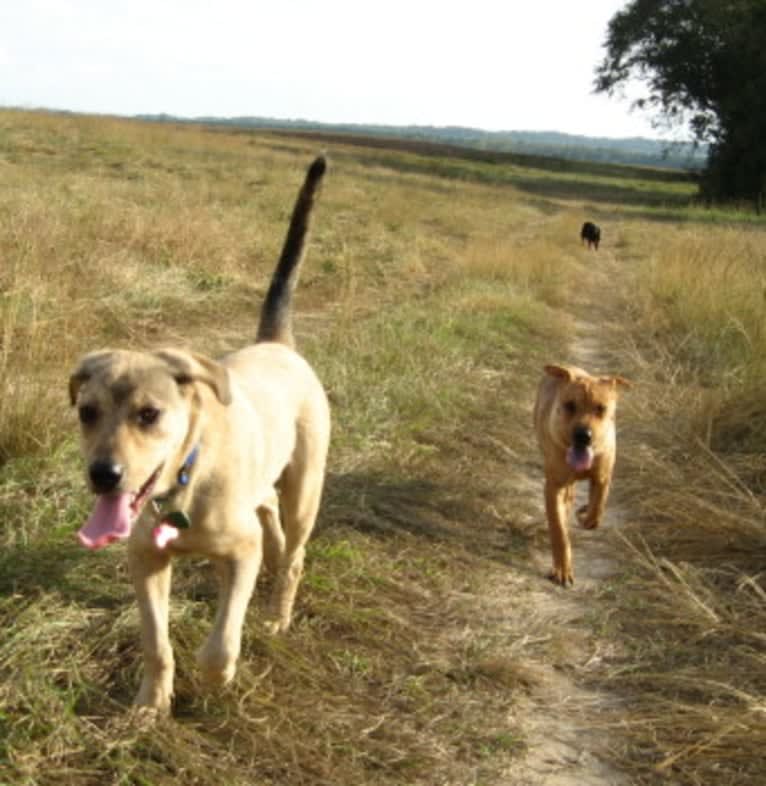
pixel 105 476
pixel 580 454
pixel 582 437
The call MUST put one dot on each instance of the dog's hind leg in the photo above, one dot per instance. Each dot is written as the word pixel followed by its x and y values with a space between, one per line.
pixel 273 535
pixel 218 656
pixel 150 572
pixel 300 503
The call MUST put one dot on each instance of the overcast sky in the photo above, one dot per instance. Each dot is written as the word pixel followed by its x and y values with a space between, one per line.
pixel 492 64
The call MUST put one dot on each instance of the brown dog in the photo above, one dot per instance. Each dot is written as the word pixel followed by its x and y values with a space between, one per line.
pixel 574 419
pixel 188 455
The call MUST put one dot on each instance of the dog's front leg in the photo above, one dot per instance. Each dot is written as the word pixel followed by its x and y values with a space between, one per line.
pixel 150 572
pixel 590 515
pixel 218 656
pixel 557 503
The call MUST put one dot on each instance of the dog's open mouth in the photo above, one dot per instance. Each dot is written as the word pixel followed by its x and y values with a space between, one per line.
pixel 114 515
pixel 580 459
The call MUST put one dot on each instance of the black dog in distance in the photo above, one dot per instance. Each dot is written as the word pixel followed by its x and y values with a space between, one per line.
pixel 590 234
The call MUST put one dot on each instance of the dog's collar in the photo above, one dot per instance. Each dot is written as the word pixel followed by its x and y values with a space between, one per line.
pixel 182 479
pixel 183 473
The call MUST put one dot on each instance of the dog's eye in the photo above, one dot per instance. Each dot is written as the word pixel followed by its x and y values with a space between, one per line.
pixel 148 416
pixel 599 410
pixel 88 414
pixel 570 407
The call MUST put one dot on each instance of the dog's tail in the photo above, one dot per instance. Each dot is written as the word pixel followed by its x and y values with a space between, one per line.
pixel 276 319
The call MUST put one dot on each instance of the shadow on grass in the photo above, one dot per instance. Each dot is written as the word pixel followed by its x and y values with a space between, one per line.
pixel 612 193
pixel 445 152
pixel 30 571
pixel 576 179
pixel 613 185
pixel 387 507
pixel 379 504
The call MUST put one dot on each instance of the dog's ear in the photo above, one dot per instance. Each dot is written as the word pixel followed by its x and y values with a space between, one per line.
pixel 560 372
pixel 617 382
pixel 191 367
pixel 86 368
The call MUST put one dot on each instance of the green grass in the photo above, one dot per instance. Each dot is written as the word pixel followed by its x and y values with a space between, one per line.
pixel 435 290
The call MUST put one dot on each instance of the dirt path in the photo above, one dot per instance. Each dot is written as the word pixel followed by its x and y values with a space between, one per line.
pixel 559 715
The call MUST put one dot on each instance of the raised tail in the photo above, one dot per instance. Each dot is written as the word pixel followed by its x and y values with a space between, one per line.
pixel 276 318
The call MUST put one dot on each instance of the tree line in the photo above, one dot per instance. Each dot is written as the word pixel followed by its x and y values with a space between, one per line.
pixel 635 151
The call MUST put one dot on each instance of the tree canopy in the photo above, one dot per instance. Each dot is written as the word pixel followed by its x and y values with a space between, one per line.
pixel 702 62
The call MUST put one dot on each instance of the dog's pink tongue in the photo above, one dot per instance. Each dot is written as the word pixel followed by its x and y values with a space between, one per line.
pixel 580 459
pixel 110 521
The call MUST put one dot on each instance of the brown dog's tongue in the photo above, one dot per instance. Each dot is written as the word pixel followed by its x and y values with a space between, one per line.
pixel 580 459
pixel 111 520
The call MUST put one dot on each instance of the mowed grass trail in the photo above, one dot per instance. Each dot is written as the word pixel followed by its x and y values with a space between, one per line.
pixel 433 293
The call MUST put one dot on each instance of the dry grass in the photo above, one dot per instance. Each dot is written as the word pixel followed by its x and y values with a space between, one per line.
pixel 690 613
pixel 434 292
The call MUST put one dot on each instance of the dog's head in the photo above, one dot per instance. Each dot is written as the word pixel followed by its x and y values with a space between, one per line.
pixel 136 411
pixel 583 414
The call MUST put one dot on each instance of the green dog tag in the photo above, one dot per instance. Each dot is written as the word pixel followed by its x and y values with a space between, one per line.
pixel 177 519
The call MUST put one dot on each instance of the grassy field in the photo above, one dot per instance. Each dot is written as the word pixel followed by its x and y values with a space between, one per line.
pixel 435 289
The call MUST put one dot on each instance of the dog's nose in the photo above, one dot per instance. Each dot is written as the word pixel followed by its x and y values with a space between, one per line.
pixel 582 436
pixel 105 476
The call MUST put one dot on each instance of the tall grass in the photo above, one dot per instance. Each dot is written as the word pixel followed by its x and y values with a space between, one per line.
pixel 691 616
pixel 701 299
pixel 705 293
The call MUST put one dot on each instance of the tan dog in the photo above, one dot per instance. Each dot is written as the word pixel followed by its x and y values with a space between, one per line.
pixel 218 450
pixel 574 419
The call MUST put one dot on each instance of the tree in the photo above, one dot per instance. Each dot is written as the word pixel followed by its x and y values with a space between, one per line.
pixel 703 62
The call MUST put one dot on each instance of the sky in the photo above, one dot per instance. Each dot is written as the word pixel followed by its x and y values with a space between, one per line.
pixel 490 64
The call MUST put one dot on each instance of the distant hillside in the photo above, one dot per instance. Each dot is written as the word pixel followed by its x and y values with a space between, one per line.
pixel 634 150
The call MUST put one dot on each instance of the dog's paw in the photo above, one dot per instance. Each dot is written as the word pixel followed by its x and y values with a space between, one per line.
pixel 275 626
pixel 218 677
pixel 142 717
pixel 564 577
pixel 584 520
pixel 217 666
pixel 151 701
